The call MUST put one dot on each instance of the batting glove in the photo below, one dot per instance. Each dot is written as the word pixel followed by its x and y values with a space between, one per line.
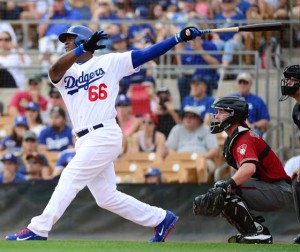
pixel 227 185
pixel 187 34
pixel 92 43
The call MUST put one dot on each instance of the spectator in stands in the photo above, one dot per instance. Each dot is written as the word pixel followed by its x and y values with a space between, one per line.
pixel 55 100
pixel 153 176
pixel 229 41
pixel 165 111
pixel 148 139
pixel 58 135
pixel 199 98
pixel 193 136
pixel 10 172
pixel 13 142
pixel 102 13
pixel 13 59
pixel 259 116
pixel 292 165
pixel 186 13
pixel 36 164
pixel 49 46
pixel 210 76
pixel 19 101
pixel 203 7
pixel 279 8
pixel 129 123
pixel 33 117
pixel 62 161
pixel 83 7
pixel 158 15
pixel 30 146
pixel 7 27
pixel 141 35
pixel 118 42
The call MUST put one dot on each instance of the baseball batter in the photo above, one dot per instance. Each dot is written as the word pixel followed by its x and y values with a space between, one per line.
pixel 89 86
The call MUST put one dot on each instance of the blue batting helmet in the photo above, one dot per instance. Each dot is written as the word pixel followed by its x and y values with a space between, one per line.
pixel 81 32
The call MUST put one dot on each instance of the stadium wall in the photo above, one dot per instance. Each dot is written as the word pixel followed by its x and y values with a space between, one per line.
pixel 85 220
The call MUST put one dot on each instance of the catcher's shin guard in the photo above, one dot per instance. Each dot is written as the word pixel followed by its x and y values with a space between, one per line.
pixel 237 214
pixel 296 196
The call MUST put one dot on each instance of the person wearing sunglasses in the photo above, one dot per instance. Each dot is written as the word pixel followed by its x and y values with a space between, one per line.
pixel 12 57
pixel 148 139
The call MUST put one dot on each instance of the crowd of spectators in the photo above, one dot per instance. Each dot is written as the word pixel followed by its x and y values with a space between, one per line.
pixel 43 121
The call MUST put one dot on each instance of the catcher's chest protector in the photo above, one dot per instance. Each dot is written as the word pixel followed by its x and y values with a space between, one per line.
pixel 227 152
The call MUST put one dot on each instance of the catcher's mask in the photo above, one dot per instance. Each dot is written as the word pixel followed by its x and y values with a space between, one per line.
pixel 81 32
pixel 291 81
pixel 237 111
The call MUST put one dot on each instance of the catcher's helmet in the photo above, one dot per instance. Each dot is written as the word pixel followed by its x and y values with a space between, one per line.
pixel 236 106
pixel 287 87
pixel 81 32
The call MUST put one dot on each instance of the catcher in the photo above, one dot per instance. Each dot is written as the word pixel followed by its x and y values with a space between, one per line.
pixel 259 183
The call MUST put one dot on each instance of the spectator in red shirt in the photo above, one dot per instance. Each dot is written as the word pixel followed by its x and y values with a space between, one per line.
pixel 20 100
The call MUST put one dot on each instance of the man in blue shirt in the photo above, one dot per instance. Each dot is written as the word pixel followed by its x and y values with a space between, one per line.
pixel 57 136
pixel 259 116
pixel 210 75
pixel 199 97
pixel 9 170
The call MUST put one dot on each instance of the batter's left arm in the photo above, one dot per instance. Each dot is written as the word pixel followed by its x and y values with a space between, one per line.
pixel 139 57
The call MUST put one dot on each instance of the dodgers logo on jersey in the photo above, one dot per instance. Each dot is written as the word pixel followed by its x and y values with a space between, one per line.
pixel 83 81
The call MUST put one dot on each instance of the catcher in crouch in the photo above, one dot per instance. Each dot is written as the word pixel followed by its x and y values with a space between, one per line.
pixel 259 183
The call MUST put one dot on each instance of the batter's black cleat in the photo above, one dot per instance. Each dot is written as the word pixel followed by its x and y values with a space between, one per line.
pixel 297 240
pixel 259 238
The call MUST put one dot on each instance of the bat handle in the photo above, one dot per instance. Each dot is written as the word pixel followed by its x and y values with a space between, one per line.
pixel 201 32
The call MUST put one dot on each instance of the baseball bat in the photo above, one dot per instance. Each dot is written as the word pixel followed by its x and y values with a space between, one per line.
pixel 250 28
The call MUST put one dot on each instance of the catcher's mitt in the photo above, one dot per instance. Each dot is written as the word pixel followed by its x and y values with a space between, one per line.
pixel 211 203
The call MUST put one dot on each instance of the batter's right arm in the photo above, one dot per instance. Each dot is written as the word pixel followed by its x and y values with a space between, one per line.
pixel 84 51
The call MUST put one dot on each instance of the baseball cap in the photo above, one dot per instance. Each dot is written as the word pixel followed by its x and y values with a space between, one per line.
pixel 59 111
pixel 142 12
pixel 29 135
pixel 153 172
pixel 162 90
pixel 36 79
pixel 33 106
pixel 244 76
pixel 192 109
pixel 9 157
pixel 36 157
pixel 197 78
pixel 20 120
pixel 118 37
pixel 123 100
pixel 53 90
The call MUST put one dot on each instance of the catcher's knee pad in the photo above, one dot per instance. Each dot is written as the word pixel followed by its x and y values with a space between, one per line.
pixel 296 196
pixel 237 214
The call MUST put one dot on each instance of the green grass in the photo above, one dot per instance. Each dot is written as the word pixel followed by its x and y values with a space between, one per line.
pixel 129 246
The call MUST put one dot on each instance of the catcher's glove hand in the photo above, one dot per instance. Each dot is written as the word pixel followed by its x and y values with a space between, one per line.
pixel 209 204
pixel 92 43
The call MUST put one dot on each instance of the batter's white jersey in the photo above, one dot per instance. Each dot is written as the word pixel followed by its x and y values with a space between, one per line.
pixel 90 89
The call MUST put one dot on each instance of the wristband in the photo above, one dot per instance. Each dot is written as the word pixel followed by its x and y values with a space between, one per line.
pixel 79 50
